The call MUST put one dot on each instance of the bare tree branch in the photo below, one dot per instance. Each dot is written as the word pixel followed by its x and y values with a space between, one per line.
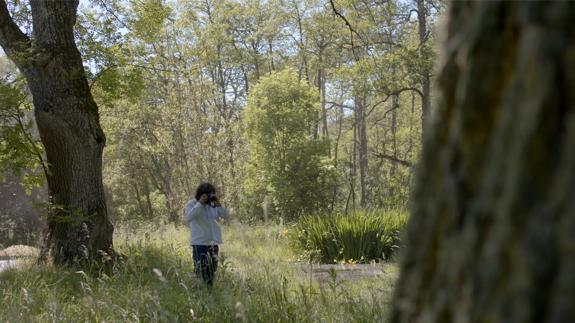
pixel 335 104
pixel 397 92
pixel 378 103
pixel 351 30
pixel 393 159
pixel 12 39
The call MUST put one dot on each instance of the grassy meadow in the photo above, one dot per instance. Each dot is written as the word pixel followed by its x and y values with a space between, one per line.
pixel 260 279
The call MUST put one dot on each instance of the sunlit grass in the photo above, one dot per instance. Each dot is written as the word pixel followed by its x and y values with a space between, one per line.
pixel 258 281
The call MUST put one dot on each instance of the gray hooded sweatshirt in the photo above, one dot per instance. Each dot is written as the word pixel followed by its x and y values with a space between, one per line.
pixel 203 221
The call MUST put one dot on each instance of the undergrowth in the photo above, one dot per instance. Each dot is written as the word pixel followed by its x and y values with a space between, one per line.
pixel 257 281
pixel 362 236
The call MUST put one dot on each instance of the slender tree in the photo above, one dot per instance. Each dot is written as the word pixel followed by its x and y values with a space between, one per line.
pixel 491 234
pixel 423 49
pixel 68 122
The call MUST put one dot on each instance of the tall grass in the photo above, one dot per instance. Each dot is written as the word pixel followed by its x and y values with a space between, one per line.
pixel 257 281
pixel 361 236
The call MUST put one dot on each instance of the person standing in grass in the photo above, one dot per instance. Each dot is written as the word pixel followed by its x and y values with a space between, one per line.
pixel 202 215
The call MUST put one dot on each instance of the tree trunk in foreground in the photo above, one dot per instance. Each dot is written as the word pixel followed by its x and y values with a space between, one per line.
pixel 68 122
pixel 492 233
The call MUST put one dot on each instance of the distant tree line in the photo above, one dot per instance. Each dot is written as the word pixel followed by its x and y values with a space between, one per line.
pixel 171 80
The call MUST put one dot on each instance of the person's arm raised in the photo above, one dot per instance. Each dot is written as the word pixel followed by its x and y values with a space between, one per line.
pixel 192 210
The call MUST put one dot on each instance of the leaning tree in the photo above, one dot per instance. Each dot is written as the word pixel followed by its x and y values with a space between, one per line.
pixel 68 123
pixel 492 234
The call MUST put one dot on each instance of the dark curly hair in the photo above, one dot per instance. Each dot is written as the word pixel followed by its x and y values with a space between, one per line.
pixel 204 188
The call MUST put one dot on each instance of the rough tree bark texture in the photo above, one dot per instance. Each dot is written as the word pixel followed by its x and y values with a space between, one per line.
pixel 492 234
pixel 68 122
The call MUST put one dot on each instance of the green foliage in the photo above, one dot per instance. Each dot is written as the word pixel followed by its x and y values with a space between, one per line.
pixel 362 236
pixel 111 71
pixel 256 282
pixel 286 165
pixel 173 78
pixel 20 150
pixel 149 18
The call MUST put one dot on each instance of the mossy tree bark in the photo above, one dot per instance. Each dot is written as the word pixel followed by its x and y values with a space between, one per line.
pixel 492 233
pixel 68 122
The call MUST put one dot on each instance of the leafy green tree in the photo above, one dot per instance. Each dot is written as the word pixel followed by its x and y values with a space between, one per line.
pixel 288 168
pixel 69 127
pixel 171 79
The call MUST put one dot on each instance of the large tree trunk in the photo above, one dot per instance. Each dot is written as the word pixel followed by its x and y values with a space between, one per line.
pixel 491 238
pixel 68 122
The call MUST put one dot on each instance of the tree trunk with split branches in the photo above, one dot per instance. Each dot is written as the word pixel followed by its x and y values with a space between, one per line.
pixel 68 122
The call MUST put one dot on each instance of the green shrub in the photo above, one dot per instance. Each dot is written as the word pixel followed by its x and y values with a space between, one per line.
pixel 357 237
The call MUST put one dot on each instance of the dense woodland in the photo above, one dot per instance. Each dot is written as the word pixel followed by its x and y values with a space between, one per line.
pixel 172 80
pixel 318 123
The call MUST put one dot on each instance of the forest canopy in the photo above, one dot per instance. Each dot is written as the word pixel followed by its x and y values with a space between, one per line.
pixel 172 79
pixel 309 117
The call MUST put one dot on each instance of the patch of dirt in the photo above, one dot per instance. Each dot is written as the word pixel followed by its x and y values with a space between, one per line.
pixel 350 271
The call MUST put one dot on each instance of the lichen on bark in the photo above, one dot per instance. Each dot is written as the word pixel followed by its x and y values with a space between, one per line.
pixel 491 233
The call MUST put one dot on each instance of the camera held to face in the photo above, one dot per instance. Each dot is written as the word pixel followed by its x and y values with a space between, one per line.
pixel 212 198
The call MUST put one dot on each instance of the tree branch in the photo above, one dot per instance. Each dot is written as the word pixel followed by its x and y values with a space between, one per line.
pixel 398 92
pixel 12 39
pixel 393 159
pixel 335 104
pixel 351 30
pixel 34 150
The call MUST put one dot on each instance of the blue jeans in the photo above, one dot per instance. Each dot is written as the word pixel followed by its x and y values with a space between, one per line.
pixel 205 261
